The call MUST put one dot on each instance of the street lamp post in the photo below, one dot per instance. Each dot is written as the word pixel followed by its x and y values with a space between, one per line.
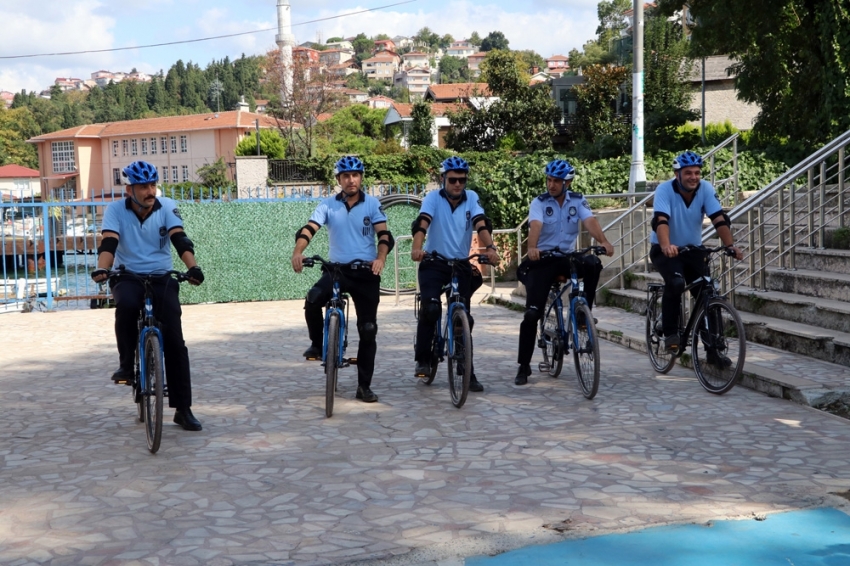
pixel 637 173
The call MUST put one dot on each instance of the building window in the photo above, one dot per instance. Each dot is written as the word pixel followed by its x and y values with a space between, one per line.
pixel 153 146
pixel 163 144
pixel 134 144
pixel 173 144
pixel 63 157
pixel 185 173
pixel 173 173
pixel 184 144
pixel 165 174
pixel 114 148
pixel 125 147
pixel 116 176
pixel 144 146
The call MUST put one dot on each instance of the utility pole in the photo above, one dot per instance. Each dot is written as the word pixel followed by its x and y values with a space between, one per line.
pixel 637 173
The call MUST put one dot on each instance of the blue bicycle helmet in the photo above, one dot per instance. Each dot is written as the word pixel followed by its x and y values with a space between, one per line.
pixel 560 169
pixel 454 163
pixel 687 159
pixel 348 164
pixel 140 172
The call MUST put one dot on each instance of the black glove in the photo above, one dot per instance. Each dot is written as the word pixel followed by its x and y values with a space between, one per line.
pixel 97 273
pixel 196 274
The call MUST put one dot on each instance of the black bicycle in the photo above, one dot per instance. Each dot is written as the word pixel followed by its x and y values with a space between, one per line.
pixel 555 335
pixel 454 342
pixel 149 383
pixel 336 327
pixel 713 322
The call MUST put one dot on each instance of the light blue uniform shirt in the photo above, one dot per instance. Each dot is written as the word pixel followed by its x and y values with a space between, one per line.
pixel 685 220
pixel 351 231
pixel 450 231
pixel 560 223
pixel 143 245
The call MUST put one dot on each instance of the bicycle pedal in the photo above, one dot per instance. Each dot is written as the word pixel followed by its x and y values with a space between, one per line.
pixel 344 364
pixel 312 359
pixel 542 366
pixel 352 361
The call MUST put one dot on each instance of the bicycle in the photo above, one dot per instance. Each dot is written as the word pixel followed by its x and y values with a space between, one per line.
pixel 554 337
pixel 454 342
pixel 335 339
pixel 720 363
pixel 149 385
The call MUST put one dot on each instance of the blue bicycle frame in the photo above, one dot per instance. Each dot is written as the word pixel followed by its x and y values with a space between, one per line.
pixel 336 305
pixel 557 304
pixel 147 328
pixel 445 337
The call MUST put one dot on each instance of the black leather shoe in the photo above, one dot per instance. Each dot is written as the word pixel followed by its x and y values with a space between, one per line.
pixel 672 343
pixel 718 360
pixel 365 394
pixel 422 369
pixel 474 385
pixel 313 353
pixel 522 374
pixel 187 420
pixel 123 376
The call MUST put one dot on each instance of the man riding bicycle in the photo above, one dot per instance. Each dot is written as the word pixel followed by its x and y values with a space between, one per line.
pixel 136 234
pixel 553 221
pixel 448 217
pixel 353 219
pixel 680 205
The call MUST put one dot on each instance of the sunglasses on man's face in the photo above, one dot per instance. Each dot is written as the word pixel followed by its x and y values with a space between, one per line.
pixel 454 180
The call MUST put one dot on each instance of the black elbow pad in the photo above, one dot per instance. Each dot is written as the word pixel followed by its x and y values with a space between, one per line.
pixel 182 243
pixel 417 224
pixel 659 219
pixel 386 238
pixel 108 245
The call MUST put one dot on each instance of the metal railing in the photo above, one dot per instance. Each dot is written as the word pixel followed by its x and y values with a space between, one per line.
pixel 796 210
pixel 632 227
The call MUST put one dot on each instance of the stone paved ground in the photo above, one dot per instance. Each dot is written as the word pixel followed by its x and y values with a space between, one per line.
pixel 407 480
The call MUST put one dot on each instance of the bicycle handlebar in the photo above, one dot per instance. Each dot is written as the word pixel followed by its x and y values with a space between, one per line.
pixel 689 248
pixel 435 255
pixel 123 271
pixel 558 252
pixel 356 264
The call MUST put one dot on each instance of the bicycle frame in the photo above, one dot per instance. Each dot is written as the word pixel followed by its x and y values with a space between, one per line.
pixel 557 303
pixel 147 325
pixel 339 305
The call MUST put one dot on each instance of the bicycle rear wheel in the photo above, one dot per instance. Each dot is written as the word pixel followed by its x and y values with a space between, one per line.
pixel 719 363
pixel 551 344
pixel 660 358
pixel 331 362
pixel 153 391
pixel 586 351
pixel 459 357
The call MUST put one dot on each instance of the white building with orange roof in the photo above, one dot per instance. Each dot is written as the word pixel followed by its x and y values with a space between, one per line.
pixel 416 59
pixel 380 67
pixel 402 113
pixel 473 63
pixel 86 161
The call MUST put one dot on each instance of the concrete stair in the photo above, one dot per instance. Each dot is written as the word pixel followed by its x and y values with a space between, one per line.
pixel 804 311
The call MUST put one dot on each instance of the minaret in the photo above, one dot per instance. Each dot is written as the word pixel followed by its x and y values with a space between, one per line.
pixel 285 41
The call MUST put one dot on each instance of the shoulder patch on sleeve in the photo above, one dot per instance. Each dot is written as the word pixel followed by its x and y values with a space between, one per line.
pixel 585 204
pixel 177 214
pixel 542 197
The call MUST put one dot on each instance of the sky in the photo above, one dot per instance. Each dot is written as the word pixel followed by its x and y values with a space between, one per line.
pixel 39 26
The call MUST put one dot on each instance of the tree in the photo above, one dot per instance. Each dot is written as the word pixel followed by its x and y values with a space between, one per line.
pixel 612 19
pixel 214 175
pixel 453 70
pixel 335 39
pixel 475 39
pixel 792 60
pixel 494 40
pixel 355 129
pixel 522 118
pixel 380 37
pixel 421 129
pixel 312 95
pixel 16 126
pixel 427 39
pixel 531 59
pixel 446 41
pixel 597 110
pixel 667 95
pixel 363 47
pixel 272 144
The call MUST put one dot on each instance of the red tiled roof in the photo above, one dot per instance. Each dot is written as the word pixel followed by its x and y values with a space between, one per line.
pixel 480 54
pixel 558 58
pixel 211 121
pixel 415 54
pixel 437 108
pixel 17 172
pixel 379 57
pixel 458 90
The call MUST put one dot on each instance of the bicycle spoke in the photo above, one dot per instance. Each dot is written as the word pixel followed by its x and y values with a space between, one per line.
pixel 719 347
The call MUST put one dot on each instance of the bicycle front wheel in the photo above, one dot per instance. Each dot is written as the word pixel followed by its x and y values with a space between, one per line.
pixel 153 391
pixel 550 342
pixel 719 346
pixel 459 357
pixel 586 351
pixel 659 356
pixel 331 362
